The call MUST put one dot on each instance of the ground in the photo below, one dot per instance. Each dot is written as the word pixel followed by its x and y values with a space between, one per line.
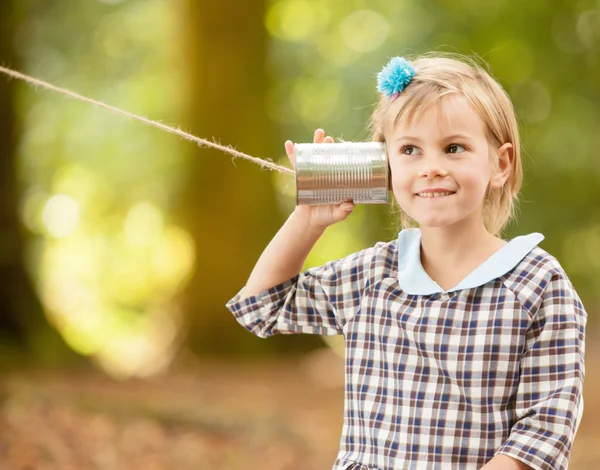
pixel 270 415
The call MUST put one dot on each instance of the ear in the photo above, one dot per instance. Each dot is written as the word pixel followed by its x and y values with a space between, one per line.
pixel 506 156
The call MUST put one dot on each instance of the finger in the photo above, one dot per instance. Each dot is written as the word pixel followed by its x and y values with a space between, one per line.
pixel 289 149
pixel 319 134
pixel 328 140
pixel 344 210
pixel 347 206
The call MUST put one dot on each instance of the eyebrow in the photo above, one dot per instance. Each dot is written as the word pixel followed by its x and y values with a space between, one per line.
pixel 445 139
pixel 408 137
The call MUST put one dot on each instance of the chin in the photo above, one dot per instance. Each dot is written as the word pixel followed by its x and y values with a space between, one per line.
pixel 432 221
pixel 435 223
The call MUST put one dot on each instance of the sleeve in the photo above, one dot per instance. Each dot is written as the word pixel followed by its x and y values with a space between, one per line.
pixel 549 400
pixel 318 301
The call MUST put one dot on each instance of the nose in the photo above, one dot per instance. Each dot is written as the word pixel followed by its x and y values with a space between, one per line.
pixel 432 169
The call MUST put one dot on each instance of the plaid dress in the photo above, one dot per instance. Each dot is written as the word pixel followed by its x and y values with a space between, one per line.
pixel 442 379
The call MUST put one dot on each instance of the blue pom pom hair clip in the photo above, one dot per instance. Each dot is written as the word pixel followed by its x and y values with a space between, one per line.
pixel 394 77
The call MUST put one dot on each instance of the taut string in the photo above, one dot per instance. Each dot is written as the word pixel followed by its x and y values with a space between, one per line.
pixel 192 138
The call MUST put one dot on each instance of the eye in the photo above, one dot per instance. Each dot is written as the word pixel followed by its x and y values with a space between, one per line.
pixel 410 150
pixel 455 148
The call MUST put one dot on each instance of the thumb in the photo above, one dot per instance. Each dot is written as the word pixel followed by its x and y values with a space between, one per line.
pixel 345 209
pixel 289 149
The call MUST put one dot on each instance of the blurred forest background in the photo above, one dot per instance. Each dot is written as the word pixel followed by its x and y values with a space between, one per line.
pixel 120 244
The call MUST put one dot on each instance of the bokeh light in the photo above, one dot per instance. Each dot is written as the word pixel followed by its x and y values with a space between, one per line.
pixel 364 30
pixel 61 215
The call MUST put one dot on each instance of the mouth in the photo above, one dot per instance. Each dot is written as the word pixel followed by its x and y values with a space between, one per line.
pixel 434 195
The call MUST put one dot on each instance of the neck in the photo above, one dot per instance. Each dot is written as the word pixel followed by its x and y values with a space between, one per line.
pixel 454 249
pixel 453 242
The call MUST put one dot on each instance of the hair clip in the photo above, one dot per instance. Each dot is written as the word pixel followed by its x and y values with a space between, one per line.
pixel 394 77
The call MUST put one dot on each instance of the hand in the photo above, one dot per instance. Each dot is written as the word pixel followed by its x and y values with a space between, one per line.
pixel 319 216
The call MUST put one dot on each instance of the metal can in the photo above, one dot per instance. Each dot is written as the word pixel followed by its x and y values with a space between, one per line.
pixel 338 172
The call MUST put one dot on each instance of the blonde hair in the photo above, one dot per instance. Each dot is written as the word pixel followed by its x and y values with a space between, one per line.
pixel 438 77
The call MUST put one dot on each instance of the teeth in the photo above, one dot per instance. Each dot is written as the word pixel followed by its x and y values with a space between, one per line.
pixel 437 194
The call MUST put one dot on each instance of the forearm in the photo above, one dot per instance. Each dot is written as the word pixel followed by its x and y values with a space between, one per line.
pixel 504 462
pixel 285 255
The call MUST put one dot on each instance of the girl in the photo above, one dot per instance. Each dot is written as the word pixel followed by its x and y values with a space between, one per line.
pixel 463 350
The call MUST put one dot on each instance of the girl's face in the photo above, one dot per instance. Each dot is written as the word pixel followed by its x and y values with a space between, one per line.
pixel 441 165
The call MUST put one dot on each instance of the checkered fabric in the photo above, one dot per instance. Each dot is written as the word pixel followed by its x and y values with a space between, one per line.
pixel 442 379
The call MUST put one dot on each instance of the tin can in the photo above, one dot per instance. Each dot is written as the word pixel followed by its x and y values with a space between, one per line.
pixel 339 172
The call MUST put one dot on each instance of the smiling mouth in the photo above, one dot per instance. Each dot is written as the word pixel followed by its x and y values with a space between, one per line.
pixel 437 194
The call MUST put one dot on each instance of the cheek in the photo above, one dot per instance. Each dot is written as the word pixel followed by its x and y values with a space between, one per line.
pixel 399 170
pixel 399 178
pixel 475 179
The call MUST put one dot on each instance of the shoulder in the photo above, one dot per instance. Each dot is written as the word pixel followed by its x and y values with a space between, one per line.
pixel 540 275
pixel 539 260
pixel 539 266
pixel 386 253
pixel 381 259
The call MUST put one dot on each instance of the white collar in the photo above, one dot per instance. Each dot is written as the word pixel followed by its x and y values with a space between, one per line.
pixel 414 280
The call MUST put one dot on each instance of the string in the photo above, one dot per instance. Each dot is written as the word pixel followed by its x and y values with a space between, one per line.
pixel 192 138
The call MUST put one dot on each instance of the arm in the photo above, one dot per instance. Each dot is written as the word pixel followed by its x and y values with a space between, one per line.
pixel 279 299
pixel 320 300
pixel 549 402
pixel 285 255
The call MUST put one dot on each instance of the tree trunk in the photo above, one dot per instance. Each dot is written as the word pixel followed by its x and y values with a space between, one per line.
pixel 229 208
pixel 25 333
